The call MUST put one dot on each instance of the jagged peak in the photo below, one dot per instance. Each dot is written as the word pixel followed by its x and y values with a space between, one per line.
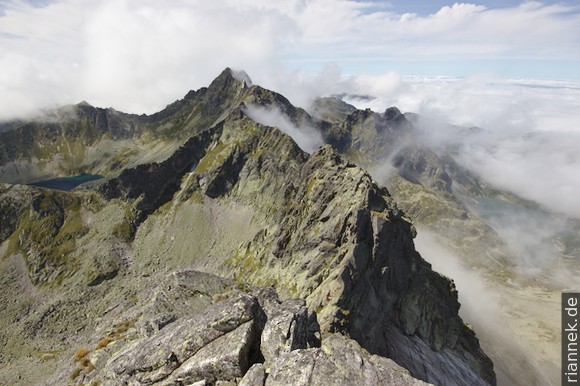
pixel 229 77
pixel 241 76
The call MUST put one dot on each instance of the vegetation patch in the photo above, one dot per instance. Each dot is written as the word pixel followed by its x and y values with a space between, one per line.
pixel 80 355
pixel 84 365
pixel 46 235
pixel 118 332
pixel 213 158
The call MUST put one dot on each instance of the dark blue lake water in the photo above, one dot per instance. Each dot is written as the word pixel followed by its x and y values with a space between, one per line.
pixel 66 183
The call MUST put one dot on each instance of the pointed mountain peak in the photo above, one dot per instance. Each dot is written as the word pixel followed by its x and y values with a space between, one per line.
pixel 230 77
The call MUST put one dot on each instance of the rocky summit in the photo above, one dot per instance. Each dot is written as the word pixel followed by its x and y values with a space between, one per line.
pixel 217 252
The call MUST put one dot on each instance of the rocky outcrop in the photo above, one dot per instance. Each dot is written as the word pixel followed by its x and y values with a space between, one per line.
pixel 84 139
pixel 43 137
pixel 421 174
pixel 246 336
pixel 189 349
pixel 154 184
pixel 340 361
pixel 43 225
pixel 372 134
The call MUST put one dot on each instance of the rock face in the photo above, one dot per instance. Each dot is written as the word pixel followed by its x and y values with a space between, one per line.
pixel 339 361
pixel 244 336
pixel 240 200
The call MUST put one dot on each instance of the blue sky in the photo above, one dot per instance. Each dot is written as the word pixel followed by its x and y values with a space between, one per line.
pixel 427 7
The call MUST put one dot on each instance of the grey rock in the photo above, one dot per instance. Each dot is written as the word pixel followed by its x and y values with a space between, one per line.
pixel 255 376
pixel 104 268
pixel 289 327
pixel 226 358
pixel 154 359
pixel 226 383
pixel 340 361
pixel 225 342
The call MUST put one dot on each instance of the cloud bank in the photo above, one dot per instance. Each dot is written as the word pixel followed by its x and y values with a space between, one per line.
pixel 138 56
pixel 528 136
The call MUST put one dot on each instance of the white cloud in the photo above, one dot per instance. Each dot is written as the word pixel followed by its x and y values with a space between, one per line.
pixel 138 56
pixel 530 138
pixel 342 30
pixel 542 167
pixel 308 138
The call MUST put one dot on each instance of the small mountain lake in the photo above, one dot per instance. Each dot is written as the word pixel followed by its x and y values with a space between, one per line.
pixel 66 183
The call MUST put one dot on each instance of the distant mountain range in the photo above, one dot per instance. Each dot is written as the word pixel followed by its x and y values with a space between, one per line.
pixel 170 269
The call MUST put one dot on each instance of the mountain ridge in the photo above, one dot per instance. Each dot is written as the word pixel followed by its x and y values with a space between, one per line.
pixel 313 226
